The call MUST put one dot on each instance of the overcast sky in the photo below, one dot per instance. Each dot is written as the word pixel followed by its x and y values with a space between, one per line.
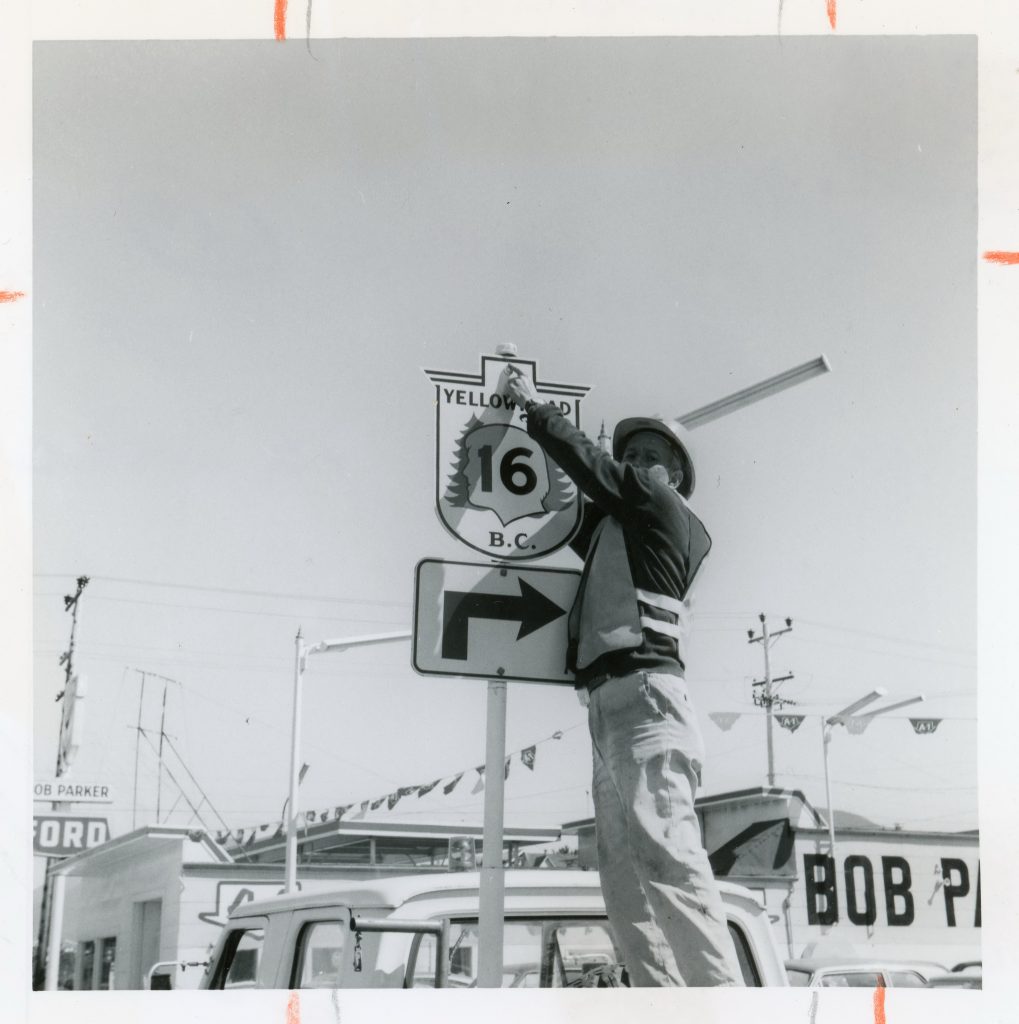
pixel 246 255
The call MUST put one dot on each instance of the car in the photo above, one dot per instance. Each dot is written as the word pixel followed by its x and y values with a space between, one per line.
pixel 417 931
pixel 848 972
pixel 968 974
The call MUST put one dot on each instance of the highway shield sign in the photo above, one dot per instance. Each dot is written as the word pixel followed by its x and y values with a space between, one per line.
pixel 496 490
pixel 492 621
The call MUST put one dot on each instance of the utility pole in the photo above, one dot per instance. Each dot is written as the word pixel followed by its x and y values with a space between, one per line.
pixel 67 660
pixel 768 699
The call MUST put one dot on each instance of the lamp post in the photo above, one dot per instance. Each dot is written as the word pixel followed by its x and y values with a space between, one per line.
pixel 841 718
pixel 301 653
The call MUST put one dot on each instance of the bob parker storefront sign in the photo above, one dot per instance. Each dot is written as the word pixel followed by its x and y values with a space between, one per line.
pixel 883 890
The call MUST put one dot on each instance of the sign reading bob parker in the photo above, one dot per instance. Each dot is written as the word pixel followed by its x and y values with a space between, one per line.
pixel 496 490
pixel 66 791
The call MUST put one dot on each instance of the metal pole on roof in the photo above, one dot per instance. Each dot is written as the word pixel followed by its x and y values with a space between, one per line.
pixel 290 881
pixel 301 653
pixel 841 718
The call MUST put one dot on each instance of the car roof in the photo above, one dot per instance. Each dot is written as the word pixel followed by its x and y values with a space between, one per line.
pixel 395 891
pixel 812 964
pixel 956 979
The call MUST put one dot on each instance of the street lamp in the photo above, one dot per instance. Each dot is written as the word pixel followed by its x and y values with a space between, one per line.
pixel 841 718
pixel 300 660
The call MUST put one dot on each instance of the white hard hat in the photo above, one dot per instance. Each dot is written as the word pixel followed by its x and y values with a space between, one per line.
pixel 671 430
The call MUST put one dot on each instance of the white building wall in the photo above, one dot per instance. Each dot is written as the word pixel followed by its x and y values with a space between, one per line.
pixel 102 905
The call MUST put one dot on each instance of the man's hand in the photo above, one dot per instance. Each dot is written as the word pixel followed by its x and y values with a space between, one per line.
pixel 517 385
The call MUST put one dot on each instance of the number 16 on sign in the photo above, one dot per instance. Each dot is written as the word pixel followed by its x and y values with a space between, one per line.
pixel 496 491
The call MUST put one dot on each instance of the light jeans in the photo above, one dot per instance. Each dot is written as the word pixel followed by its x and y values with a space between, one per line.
pixel 660 893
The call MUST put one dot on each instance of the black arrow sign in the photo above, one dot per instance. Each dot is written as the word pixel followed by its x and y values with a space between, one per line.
pixel 531 609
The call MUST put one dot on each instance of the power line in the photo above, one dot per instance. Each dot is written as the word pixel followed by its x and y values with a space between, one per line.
pixel 868 785
pixel 238 611
pixel 885 636
pixel 235 590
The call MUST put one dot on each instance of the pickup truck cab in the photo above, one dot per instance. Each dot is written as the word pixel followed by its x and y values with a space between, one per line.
pixel 418 931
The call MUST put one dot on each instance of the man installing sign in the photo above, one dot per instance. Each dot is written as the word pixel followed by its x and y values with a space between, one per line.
pixel 642 547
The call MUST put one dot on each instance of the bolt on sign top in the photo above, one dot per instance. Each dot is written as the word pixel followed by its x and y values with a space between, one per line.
pixel 495 489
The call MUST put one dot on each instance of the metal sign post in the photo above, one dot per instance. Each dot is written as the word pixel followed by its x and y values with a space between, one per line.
pixel 491 903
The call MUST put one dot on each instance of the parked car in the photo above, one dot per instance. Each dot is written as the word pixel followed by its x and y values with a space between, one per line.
pixel 422 930
pixel 965 975
pixel 853 973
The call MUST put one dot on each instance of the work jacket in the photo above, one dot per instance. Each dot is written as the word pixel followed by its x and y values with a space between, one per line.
pixel 642 546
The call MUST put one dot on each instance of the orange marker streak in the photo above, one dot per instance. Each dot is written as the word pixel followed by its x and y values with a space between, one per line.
pixel 280 19
pixel 879 1005
pixel 294 1004
pixel 11 296
pixel 831 13
pixel 1006 258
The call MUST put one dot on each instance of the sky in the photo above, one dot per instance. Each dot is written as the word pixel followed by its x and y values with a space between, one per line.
pixel 245 258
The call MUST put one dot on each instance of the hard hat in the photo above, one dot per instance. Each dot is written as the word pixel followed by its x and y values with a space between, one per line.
pixel 670 430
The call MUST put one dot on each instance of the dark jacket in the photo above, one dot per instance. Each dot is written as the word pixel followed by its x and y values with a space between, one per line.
pixel 639 620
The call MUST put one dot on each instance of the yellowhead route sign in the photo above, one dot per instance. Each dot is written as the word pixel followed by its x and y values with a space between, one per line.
pixel 492 621
pixel 496 490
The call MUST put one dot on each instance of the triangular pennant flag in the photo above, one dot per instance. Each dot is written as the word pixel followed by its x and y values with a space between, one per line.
pixel 338 812
pixel 451 785
pixel 262 829
pixel 425 790
pixel 324 815
pixel 922 726
pixel 857 724
pixel 790 722
pixel 505 771
pixel 480 784
pixel 392 799
pixel 527 756
pixel 279 830
pixel 376 804
pixel 361 811
pixel 309 816
pixel 251 838
pixel 725 720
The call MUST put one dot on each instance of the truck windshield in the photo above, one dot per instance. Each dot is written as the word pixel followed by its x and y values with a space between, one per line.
pixel 536 954
pixel 238 963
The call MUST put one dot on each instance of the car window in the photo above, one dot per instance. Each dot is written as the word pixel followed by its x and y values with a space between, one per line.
pixel 319 956
pixel 581 955
pixel 906 979
pixel 536 953
pixel 853 979
pixel 798 978
pixel 747 966
pixel 238 963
